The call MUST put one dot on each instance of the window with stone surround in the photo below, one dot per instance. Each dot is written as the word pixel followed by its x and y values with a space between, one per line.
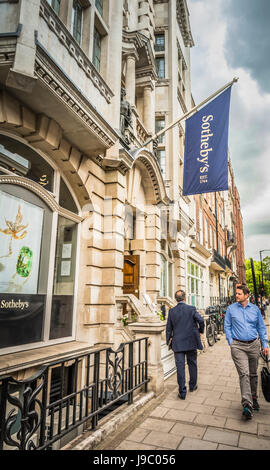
pixel 195 285
pixel 159 125
pixel 161 154
pixel 38 249
pixel 160 65
pixel 97 49
pixel 159 42
pixel 77 20
pixel 166 275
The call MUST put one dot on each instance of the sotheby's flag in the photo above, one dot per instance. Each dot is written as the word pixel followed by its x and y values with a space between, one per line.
pixel 206 147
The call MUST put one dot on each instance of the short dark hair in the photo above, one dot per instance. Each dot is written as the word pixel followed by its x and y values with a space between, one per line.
pixel 180 295
pixel 244 288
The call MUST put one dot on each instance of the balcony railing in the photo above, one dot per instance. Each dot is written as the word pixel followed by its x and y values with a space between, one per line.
pixel 221 301
pixel 217 258
pixel 37 412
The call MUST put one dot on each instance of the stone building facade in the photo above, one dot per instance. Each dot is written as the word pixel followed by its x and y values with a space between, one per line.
pixel 94 229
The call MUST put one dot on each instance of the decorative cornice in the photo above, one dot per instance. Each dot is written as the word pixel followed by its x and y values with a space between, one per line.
pixel 195 245
pixel 62 87
pixel 180 52
pixel 141 42
pixel 74 49
pixel 182 15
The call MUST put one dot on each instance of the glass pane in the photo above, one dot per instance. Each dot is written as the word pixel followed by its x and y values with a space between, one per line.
pixel 160 124
pixel 76 21
pixel 55 4
pixel 65 198
pixel 162 161
pixel 192 285
pixel 23 161
pixel 160 64
pixel 20 240
pixel 97 49
pixel 21 246
pixel 160 42
pixel 64 277
pixel 192 269
pixel 99 6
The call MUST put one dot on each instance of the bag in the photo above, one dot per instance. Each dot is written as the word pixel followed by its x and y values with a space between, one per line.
pixel 265 380
pixel 170 343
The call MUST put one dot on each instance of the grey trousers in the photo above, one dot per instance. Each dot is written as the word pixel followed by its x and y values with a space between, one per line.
pixel 246 357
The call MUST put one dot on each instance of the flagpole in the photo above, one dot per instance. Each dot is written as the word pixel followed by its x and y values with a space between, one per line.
pixel 155 136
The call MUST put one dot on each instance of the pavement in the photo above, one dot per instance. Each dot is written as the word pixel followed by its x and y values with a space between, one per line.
pixel 210 418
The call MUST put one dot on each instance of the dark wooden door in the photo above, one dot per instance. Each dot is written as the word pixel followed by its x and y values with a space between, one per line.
pixel 131 275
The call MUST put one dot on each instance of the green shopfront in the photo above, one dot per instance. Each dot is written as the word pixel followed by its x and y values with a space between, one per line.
pixel 39 221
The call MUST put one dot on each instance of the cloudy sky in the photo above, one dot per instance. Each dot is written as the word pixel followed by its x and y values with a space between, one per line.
pixel 232 39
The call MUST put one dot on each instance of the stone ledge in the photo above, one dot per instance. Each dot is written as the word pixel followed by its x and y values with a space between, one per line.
pixel 114 420
pixel 18 361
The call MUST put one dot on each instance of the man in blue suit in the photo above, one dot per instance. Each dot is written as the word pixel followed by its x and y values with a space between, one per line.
pixel 185 325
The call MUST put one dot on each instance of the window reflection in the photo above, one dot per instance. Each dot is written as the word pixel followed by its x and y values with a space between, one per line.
pixel 64 278
pixel 23 161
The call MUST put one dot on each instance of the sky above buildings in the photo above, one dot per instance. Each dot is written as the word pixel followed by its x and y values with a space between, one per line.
pixel 232 39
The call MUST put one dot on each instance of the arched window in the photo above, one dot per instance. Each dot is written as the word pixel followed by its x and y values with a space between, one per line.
pixel 38 249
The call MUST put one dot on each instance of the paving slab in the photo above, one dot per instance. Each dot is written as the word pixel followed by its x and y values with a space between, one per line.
pixel 157 424
pixel 159 412
pixel 170 441
pixel 264 430
pixel 197 408
pixel 210 420
pixel 195 444
pixel 224 447
pixel 221 436
pixel 175 404
pixel 241 424
pixel 138 435
pixel 129 445
pixel 250 442
pixel 180 415
pixel 188 430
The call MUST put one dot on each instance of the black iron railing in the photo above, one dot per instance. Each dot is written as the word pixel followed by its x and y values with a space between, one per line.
pixel 222 300
pixel 38 411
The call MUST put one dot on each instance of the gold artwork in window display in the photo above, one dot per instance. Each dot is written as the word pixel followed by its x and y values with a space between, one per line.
pixel 25 257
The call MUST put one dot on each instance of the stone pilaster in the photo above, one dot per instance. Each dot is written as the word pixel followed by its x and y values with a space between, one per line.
pixel 149 107
pixel 152 245
pixel 153 330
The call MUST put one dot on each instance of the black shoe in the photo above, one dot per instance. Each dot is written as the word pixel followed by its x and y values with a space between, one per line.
pixel 194 388
pixel 182 396
pixel 256 405
pixel 247 412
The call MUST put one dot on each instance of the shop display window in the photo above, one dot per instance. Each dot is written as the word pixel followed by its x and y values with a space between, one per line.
pixel 38 247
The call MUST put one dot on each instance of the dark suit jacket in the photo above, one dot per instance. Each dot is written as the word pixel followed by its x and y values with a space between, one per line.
pixel 184 324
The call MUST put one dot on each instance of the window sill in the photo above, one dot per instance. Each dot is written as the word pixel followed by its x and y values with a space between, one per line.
pixel 14 362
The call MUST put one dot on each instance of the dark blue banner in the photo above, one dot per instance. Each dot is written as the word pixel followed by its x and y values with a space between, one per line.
pixel 206 147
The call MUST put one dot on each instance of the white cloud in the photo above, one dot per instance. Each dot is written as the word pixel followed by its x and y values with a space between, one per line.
pixel 249 137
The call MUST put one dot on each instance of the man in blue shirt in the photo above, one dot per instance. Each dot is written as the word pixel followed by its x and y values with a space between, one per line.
pixel 243 323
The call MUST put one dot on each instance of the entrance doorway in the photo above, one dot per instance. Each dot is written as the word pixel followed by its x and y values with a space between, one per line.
pixel 131 274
